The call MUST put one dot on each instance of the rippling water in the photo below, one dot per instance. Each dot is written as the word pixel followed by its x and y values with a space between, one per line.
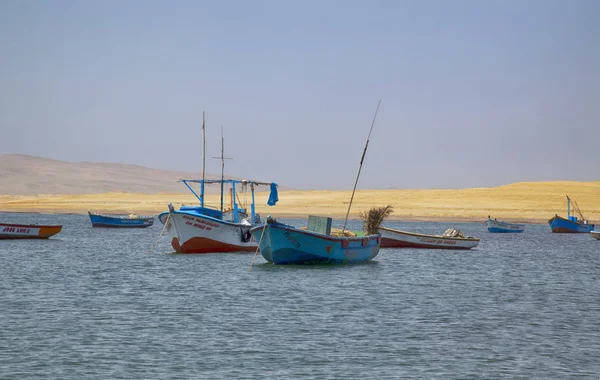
pixel 91 303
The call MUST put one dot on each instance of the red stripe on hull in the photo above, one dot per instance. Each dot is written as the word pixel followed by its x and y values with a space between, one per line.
pixel 562 230
pixel 204 245
pixel 391 243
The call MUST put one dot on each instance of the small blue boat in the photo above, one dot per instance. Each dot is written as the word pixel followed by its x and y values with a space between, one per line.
pixel 559 224
pixel 498 226
pixel 284 244
pixel 120 220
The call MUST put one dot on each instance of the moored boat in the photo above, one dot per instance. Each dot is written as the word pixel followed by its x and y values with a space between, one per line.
pixel 28 231
pixel 120 220
pixel 498 226
pixel 451 239
pixel 571 224
pixel 284 244
pixel 595 234
pixel 199 229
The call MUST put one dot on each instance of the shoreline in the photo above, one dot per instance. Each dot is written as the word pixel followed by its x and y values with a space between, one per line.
pixel 526 202
pixel 393 218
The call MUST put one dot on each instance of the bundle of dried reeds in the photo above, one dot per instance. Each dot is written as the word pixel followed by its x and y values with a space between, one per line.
pixel 372 219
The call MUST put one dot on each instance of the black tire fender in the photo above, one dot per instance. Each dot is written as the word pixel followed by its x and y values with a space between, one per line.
pixel 246 236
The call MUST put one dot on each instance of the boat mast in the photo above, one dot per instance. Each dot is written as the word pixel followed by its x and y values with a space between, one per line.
pixel 576 208
pixel 222 165
pixel 568 208
pixel 203 160
pixel 223 158
pixel 360 167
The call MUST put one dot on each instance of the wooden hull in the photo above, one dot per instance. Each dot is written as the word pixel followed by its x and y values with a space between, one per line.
pixel 559 224
pixel 283 244
pixel 596 234
pixel 503 227
pixel 27 231
pixel 194 233
pixel 402 239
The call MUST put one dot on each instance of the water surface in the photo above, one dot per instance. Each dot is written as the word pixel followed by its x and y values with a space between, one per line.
pixel 92 303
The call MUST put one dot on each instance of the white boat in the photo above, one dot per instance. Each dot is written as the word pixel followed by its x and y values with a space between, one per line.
pixel 499 226
pixel 200 229
pixel 451 239
pixel 595 234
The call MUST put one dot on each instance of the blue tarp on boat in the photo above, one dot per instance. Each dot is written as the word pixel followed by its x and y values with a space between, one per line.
pixel 273 197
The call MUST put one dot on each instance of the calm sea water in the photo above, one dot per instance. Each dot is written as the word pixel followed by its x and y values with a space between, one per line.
pixel 92 304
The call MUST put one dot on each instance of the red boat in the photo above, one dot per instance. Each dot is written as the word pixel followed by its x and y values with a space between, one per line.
pixel 27 231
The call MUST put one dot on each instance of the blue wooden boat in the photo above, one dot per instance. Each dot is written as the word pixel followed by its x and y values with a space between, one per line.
pixel 284 244
pixel 498 226
pixel 120 220
pixel 571 224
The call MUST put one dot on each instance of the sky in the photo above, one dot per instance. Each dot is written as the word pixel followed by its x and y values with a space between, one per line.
pixel 473 93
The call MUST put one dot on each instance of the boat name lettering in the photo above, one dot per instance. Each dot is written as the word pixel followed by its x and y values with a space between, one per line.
pixel 292 239
pixel 17 230
pixel 206 222
pixel 352 255
pixel 200 226
pixel 437 241
pixel 199 221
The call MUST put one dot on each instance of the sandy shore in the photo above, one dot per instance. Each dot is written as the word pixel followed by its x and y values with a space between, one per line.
pixel 525 202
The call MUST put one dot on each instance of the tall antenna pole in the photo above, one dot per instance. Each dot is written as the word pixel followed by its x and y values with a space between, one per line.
pixel 223 158
pixel 203 159
pixel 222 165
pixel 360 167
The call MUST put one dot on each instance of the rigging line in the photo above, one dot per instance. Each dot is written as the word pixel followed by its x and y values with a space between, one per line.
pixel 258 247
pixel 160 236
pixel 360 166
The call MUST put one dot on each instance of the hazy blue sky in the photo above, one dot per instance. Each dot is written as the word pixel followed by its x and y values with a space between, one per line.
pixel 475 93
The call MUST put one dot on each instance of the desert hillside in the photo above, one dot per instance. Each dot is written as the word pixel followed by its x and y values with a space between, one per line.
pixel 527 202
pixel 30 175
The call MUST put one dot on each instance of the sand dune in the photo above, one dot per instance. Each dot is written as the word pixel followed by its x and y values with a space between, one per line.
pixel 527 201
pixel 30 175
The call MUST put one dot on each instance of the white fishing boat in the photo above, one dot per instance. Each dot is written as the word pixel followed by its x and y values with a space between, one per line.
pixel 201 229
pixel 595 234
pixel 451 239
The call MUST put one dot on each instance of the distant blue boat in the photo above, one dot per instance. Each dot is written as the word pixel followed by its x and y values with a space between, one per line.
pixel 120 221
pixel 285 244
pixel 498 226
pixel 559 224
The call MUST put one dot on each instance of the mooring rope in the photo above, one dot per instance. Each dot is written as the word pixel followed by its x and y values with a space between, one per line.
pixel 258 247
pixel 160 236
